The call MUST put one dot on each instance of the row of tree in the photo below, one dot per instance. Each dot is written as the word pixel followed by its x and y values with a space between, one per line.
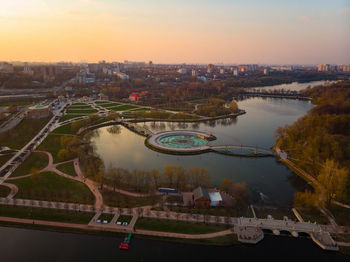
pixel 319 143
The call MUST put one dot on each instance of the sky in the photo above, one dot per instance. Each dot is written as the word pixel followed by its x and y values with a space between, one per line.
pixel 176 31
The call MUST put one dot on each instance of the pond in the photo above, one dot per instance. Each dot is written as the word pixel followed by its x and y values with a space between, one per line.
pixel 269 180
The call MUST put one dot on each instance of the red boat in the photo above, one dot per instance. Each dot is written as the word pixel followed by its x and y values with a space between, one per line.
pixel 124 246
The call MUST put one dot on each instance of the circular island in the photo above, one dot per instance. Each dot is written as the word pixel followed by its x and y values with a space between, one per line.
pixel 180 142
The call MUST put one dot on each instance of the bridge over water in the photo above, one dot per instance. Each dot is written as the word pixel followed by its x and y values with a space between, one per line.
pixel 240 150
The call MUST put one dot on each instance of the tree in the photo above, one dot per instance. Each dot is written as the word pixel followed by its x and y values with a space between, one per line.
pixel 35 173
pixel 234 107
pixel 305 200
pixel 334 180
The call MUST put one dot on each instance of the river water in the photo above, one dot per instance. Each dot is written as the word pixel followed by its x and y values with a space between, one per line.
pixel 18 245
pixel 269 180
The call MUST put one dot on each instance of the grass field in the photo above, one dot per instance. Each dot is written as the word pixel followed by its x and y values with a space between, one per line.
pixel 24 132
pixel 122 108
pixel 4 191
pixel 4 158
pixel 109 105
pixel 178 226
pixel 65 129
pixel 77 217
pixel 67 168
pixel 51 144
pixel 80 107
pixel 105 216
pixel 102 102
pixel 52 187
pixel 124 218
pixel 68 117
pixel 115 199
pixel 341 214
pixel 313 215
pixel 35 160
pixel 81 111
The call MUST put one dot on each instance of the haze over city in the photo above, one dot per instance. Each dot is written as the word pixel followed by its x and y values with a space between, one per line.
pixel 192 31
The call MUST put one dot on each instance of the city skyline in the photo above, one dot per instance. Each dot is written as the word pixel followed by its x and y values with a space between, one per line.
pixel 197 32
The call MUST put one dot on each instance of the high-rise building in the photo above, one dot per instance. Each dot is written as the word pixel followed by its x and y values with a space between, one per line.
pixel 6 67
pixel 210 68
pixel 182 71
pixel 323 67
pixel 235 72
pixel 222 71
pixel 194 72
pixel 346 68
pixel 266 71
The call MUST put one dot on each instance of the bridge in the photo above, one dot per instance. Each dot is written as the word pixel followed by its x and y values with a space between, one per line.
pixel 275 95
pixel 240 150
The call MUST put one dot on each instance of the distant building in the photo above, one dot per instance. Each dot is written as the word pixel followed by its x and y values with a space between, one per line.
pixel 266 71
pixel 243 68
pixel 38 111
pixel 210 68
pixel 121 75
pixel 323 67
pixel 202 78
pixel 194 72
pixel 201 197
pixel 182 71
pixel 27 70
pixel 235 72
pixel 134 97
pixel 346 68
pixel 6 67
pixel 222 71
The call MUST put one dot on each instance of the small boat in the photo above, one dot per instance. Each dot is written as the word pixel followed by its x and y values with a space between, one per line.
pixel 125 245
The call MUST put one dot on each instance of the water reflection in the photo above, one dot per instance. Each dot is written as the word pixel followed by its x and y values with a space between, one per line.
pixel 265 176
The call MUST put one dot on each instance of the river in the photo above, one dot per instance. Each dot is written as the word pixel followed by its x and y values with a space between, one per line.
pixel 41 246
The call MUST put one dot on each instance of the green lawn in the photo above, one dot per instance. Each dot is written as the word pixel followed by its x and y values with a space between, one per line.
pixel 105 216
pixel 341 214
pixel 82 111
pixel 178 226
pixel 35 160
pixel 124 218
pixel 4 191
pixel 4 158
pixel 79 104
pixel 46 214
pixel 51 144
pixel 122 108
pixel 313 215
pixel 65 129
pixel 67 168
pixel 115 199
pixel 67 117
pixel 109 105
pixel 52 187
pixel 102 102
pixel 22 133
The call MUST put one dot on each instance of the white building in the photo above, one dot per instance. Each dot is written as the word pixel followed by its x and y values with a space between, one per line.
pixel 215 198
pixel 27 70
pixel 121 75
pixel 222 71
pixel 194 72
pixel 182 71
pixel 6 67
pixel 235 72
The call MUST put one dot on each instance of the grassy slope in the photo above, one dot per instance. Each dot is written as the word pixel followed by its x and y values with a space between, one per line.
pixel 67 168
pixel 111 198
pixel 22 133
pixel 178 226
pixel 35 160
pixel 46 214
pixel 51 144
pixel 52 187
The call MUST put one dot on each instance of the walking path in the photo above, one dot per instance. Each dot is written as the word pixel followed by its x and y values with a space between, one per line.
pixel 14 189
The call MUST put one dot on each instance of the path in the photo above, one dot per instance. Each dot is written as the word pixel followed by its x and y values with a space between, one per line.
pixel 14 190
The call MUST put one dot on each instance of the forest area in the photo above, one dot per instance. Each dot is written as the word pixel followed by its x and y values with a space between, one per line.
pixel 319 143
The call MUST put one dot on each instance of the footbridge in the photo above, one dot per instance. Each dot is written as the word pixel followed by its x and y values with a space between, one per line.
pixel 240 150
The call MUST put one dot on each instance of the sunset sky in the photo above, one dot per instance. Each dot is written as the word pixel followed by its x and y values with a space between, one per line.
pixel 181 31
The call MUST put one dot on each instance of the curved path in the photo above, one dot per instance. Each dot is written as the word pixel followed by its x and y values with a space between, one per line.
pixel 14 190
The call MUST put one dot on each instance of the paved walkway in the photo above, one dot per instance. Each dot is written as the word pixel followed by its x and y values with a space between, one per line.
pixel 14 190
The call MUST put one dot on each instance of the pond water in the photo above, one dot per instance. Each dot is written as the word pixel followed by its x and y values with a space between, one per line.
pixel 269 180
